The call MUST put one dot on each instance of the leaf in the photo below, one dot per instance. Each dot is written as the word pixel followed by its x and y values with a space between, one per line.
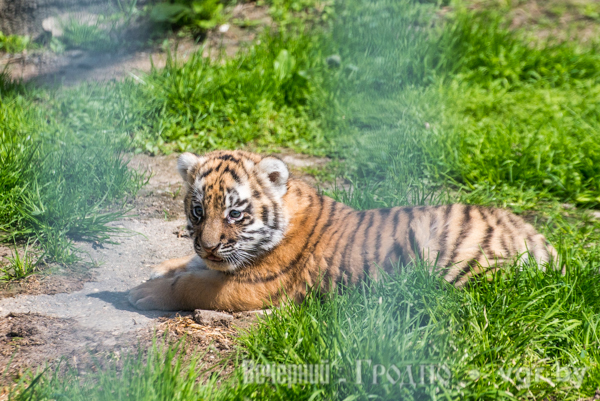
pixel 283 65
pixel 165 12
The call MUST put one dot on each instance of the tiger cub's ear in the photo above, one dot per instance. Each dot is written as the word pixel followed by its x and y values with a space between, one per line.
pixel 275 172
pixel 185 163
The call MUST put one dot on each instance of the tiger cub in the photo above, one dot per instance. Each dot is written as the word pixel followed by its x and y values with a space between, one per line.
pixel 260 236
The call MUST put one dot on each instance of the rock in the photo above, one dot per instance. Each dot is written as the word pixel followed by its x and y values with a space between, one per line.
pixel 53 25
pixel 259 312
pixel 212 318
pixel 334 60
pixel 596 214
pixel 109 342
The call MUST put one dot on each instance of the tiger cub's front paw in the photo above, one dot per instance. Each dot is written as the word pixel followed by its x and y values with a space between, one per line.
pixel 154 295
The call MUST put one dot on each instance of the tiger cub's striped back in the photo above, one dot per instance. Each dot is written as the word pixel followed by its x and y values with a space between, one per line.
pixel 258 234
pixel 459 240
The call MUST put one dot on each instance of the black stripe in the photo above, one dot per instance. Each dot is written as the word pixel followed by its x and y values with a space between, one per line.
pixel 361 217
pixel 489 234
pixel 309 238
pixel 383 213
pixel 482 245
pixel 414 245
pixel 228 157
pixel 205 173
pixel 329 260
pixel 515 232
pixel 505 252
pixel 471 265
pixel 240 203
pixel 233 174
pixel 504 228
pixel 275 225
pixel 325 227
pixel 395 222
pixel 265 215
pixel 330 217
pixel 464 230
pixel 274 207
pixel 444 237
pixel 395 233
pixel 395 251
pixel 366 264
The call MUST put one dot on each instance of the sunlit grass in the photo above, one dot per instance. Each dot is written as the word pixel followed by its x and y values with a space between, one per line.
pixel 18 265
pixel 59 170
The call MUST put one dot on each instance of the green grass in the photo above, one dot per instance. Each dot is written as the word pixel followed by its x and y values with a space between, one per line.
pixel 87 36
pixel 423 110
pixel 161 373
pixel 18 265
pixel 269 94
pixel 14 43
pixel 59 171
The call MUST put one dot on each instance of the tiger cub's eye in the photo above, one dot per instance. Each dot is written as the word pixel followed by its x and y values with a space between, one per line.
pixel 235 214
pixel 197 211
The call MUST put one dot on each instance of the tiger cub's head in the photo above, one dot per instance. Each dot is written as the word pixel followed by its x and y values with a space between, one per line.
pixel 234 205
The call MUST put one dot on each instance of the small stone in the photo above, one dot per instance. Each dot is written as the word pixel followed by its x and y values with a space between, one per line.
pixel 75 53
pixel 224 28
pixel 596 214
pixel 259 312
pixel 334 60
pixel 52 25
pixel 109 342
pixel 212 318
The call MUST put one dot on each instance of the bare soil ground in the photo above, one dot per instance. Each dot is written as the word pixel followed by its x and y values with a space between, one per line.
pixel 52 280
pixel 76 66
pixel 553 20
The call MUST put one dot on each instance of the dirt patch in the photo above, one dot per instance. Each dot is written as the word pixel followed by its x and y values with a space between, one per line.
pixel 213 344
pixel 554 20
pixel 75 66
pixel 32 341
pixel 54 280
pixel 162 197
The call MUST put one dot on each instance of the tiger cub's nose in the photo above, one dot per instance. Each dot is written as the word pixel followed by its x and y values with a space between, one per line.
pixel 210 248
